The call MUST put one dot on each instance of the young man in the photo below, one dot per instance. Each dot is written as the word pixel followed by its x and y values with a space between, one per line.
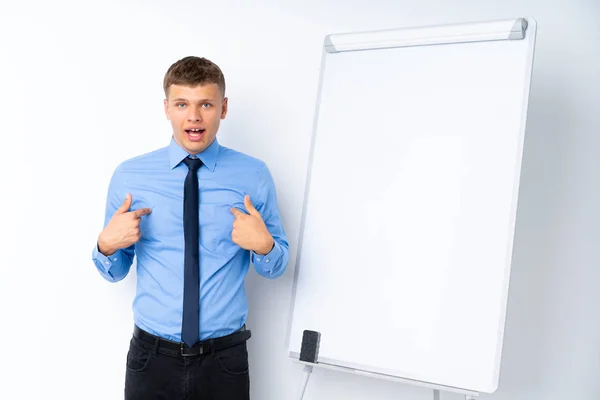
pixel 195 214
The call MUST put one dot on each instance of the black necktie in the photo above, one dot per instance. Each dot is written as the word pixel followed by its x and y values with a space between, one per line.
pixel 191 274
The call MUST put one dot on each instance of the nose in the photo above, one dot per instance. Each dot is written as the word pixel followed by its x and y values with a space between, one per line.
pixel 194 115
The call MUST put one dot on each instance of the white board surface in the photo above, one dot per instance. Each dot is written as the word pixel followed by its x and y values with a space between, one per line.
pixel 407 232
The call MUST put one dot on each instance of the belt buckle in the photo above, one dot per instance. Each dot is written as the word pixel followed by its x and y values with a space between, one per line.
pixel 193 352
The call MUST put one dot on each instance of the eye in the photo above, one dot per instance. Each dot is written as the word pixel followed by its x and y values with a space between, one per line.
pixel 206 105
pixel 180 105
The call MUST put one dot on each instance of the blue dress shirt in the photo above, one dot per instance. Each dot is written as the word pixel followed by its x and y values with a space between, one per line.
pixel 156 180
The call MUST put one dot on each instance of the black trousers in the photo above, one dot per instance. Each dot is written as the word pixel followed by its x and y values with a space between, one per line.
pixel 157 373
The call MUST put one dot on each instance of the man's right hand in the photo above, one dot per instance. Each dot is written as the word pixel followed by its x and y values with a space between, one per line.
pixel 123 229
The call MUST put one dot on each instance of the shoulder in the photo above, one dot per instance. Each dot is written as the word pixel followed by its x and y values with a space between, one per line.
pixel 230 158
pixel 143 161
pixel 250 170
pixel 251 173
pixel 142 164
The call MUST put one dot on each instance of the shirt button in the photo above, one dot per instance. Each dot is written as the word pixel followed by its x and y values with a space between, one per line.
pixel 114 259
pixel 267 260
pixel 257 258
pixel 106 262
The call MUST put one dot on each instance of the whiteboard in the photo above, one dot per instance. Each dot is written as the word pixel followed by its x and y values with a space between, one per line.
pixel 404 257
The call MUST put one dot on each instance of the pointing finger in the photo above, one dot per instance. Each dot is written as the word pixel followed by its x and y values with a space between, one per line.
pixel 237 213
pixel 141 212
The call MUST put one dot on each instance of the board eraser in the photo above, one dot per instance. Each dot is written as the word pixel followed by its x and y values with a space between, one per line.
pixel 309 351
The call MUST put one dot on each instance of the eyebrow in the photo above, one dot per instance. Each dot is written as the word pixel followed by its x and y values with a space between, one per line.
pixel 182 99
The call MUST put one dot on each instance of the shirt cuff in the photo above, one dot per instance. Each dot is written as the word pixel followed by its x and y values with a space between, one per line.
pixel 267 260
pixel 103 261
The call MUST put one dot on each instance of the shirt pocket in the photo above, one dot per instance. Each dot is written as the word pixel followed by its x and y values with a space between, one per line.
pixel 216 225
pixel 151 227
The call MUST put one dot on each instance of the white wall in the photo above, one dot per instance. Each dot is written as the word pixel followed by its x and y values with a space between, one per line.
pixel 82 91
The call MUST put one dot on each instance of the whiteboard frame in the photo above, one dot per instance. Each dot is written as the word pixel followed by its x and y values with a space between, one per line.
pixel 529 27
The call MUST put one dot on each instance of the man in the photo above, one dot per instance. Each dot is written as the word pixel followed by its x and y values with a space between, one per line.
pixel 195 214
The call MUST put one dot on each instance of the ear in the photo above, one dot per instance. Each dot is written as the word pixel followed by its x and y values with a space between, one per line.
pixel 166 104
pixel 224 108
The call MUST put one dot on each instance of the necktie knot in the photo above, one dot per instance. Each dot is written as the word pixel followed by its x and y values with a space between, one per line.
pixel 192 163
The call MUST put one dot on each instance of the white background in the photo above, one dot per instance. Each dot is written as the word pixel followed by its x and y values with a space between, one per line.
pixel 81 91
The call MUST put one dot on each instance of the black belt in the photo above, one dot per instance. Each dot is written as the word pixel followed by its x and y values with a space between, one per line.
pixel 206 346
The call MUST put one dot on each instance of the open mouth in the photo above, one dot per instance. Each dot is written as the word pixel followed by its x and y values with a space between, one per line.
pixel 194 133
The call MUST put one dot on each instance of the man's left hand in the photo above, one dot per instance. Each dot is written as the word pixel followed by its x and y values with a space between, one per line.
pixel 249 230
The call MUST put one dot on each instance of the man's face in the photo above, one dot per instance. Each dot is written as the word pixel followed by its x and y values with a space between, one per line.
pixel 195 114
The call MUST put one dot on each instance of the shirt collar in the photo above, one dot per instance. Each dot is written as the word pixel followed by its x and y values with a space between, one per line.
pixel 208 156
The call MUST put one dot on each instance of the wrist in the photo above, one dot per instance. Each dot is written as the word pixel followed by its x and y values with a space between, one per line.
pixel 266 249
pixel 105 249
